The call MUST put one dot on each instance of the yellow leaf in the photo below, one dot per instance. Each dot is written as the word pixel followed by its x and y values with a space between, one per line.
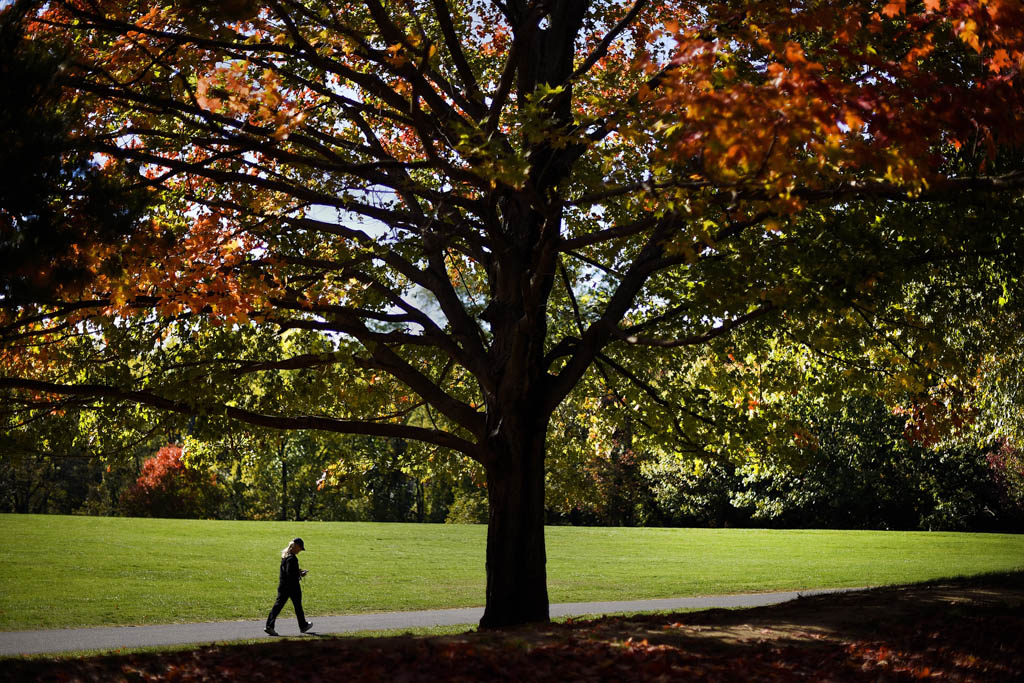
pixel 969 34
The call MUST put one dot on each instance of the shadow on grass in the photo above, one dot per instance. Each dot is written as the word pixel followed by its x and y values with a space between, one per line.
pixel 960 629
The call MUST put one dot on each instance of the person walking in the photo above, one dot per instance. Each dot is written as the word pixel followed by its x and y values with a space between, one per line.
pixel 288 587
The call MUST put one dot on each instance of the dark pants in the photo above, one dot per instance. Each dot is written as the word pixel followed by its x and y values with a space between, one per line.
pixel 282 597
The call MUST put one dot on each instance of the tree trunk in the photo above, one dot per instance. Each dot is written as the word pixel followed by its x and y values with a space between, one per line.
pixel 284 488
pixel 517 590
pixel 421 502
pixel 521 279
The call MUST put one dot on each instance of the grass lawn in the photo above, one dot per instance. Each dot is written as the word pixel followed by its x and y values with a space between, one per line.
pixel 78 571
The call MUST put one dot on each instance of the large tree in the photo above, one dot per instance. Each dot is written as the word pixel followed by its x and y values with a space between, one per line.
pixel 477 203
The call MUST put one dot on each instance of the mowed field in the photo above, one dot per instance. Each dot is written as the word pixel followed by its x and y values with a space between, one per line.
pixel 60 571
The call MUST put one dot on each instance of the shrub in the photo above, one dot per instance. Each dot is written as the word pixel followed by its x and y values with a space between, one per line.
pixel 167 487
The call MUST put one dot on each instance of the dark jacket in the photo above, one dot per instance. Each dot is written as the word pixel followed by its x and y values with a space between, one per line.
pixel 290 575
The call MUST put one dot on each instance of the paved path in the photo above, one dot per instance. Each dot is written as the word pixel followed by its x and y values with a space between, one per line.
pixel 110 638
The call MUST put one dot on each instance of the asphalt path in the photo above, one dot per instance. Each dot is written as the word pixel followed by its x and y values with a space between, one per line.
pixel 14 643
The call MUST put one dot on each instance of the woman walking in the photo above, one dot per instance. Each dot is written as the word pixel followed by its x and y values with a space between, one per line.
pixel 288 587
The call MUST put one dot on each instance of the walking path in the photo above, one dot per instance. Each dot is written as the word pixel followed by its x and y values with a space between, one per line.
pixel 114 637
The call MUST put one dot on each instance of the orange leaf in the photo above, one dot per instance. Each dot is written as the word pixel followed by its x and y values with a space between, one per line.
pixel 795 53
pixel 1000 60
pixel 894 8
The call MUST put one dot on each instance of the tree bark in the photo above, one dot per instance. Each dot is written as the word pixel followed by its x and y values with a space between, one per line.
pixel 521 278
pixel 284 487
pixel 516 560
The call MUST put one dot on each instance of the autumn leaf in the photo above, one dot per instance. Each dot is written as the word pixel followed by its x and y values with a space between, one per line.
pixel 969 34
pixel 1000 60
pixel 795 53
pixel 895 8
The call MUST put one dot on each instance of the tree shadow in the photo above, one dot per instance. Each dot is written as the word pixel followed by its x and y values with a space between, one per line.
pixel 969 629
pixel 954 630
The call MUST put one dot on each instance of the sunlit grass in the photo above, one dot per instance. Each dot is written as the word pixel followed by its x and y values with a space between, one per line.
pixel 77 571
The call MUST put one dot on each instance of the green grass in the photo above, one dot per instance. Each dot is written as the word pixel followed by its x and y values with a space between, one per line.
pixel 77 571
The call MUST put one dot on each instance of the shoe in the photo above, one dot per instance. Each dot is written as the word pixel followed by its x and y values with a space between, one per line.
pixel 309 625
pixel 269 631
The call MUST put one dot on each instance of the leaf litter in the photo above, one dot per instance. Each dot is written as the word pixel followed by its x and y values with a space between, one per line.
pixel 961 630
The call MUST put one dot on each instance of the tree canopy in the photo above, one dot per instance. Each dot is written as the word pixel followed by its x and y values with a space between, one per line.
pixel 480 210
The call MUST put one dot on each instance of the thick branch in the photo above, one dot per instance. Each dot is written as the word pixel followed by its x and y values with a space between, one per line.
pixel 454 45
pixel 317 422
pixel 937 190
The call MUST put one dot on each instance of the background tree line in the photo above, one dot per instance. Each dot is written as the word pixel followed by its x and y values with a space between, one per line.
pixel 863 470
